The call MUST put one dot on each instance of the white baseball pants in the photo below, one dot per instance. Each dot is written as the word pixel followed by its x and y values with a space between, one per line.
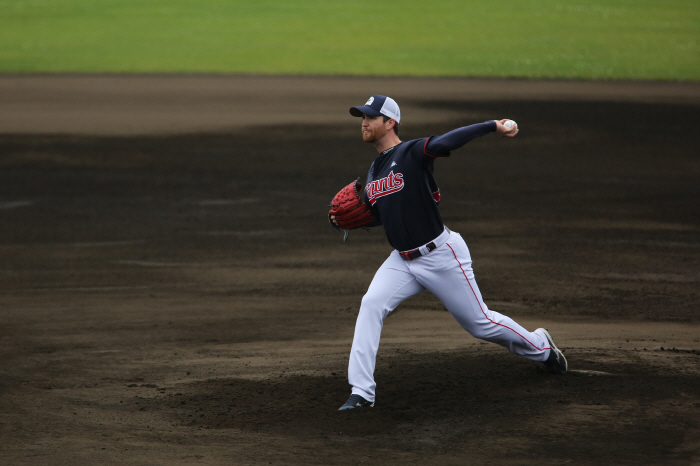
pixel 447 273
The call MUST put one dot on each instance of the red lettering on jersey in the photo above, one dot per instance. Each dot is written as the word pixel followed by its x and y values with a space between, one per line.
pixel 383 187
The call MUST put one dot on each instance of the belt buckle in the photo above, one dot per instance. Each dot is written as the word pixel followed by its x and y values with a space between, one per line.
pixel 410 255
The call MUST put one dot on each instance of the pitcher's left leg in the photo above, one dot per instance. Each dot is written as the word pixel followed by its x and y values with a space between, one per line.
pixel 452 281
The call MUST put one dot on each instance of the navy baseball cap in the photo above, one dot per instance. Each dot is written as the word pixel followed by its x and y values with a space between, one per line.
pixel 378 105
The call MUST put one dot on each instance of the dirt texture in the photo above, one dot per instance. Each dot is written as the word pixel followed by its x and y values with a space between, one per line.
pixel 171 292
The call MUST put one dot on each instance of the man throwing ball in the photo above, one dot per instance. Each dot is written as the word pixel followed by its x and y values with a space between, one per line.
pixel 404 198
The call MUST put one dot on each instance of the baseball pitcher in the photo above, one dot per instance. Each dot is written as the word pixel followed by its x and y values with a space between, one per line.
pixel 401 194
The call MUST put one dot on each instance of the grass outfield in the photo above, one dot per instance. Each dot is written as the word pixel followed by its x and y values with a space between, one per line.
pixel 596 39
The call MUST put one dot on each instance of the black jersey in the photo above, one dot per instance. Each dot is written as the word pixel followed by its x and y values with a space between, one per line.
pixel 401 187
pixel 402 190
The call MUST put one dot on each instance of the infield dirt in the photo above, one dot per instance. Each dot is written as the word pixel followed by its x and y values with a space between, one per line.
pixel 171 292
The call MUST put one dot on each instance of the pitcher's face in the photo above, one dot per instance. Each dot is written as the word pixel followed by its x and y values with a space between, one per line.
pixel 374 128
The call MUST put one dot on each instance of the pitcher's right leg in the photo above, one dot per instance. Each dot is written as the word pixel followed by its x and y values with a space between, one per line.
pixel 455 285
pixel 392 284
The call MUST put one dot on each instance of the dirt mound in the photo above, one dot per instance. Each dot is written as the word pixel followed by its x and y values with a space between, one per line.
pixel 171 292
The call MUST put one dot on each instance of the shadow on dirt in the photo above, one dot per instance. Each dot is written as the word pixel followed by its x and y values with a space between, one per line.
pixel 446 401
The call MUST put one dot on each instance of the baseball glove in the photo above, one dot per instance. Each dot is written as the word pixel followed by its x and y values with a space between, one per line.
pixel 350 210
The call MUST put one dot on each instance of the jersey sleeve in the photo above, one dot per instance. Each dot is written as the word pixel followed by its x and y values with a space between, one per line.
pixel 441 146
pixel 420 154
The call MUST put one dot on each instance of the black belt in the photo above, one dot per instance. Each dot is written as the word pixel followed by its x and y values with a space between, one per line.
pixel 415 253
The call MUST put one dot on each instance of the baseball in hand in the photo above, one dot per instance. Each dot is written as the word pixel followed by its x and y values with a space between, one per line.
pixel 511 125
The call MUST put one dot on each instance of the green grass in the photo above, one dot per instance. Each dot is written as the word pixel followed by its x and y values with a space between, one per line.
pixel 597 39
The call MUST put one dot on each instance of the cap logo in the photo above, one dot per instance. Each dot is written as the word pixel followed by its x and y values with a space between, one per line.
pixel 369 102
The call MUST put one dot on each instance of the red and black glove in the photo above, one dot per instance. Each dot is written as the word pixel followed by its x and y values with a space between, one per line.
pixel 350 210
